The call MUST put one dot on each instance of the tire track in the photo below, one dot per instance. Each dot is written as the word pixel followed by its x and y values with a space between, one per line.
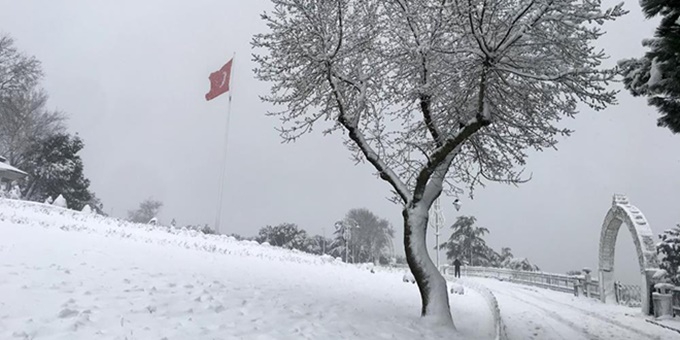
pixel 584 327
pixel 596 316
pixel 553 315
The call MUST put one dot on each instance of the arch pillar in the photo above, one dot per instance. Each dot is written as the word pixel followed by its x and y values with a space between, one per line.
pixel 622 212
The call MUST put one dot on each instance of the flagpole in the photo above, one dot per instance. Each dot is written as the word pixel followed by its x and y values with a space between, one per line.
pixel 223 170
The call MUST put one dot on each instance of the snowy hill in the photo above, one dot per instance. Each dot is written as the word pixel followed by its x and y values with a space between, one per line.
pixel 70 275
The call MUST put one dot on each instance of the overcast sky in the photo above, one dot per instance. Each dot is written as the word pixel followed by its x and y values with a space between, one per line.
pixel 132 77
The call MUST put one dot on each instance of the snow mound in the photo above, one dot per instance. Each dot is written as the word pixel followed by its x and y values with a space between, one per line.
pixel 86 209
pixel 60 201
pixel 455 288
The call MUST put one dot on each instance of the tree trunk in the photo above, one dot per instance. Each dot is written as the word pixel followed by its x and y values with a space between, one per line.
pixel 432 285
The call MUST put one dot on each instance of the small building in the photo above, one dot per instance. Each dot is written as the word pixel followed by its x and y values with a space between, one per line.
pixel 9 174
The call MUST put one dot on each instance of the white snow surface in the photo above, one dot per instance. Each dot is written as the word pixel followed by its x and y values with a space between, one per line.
pixel 536 313
pixel 654 73
pixel 69 275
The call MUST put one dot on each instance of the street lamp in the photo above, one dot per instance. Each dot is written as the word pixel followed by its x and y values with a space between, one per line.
pixel 457 204
pixel 437 220
pixel 346 234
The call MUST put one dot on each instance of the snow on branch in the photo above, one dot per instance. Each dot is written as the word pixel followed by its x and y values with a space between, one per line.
pixel 434 91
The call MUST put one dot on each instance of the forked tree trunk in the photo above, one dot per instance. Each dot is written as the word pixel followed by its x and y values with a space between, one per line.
pixel 432 285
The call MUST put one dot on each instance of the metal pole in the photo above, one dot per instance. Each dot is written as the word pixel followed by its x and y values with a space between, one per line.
pixel 346 243
pixel 436 218
pixel 223 169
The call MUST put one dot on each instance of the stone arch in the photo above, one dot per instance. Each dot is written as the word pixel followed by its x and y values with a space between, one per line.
pixel 622 212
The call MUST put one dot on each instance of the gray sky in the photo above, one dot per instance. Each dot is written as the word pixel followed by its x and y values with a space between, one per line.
pixel 132 76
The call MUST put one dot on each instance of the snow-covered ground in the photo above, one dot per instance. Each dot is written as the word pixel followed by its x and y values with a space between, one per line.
pixel 535 313
pixel 68 275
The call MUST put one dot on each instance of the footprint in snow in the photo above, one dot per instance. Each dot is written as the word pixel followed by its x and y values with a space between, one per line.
pixel 67 313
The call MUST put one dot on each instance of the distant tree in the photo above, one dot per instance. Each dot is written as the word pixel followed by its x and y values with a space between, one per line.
pixel 18 71
pixel 657 74
pixel 319 245
pixel 421 87
pixel 497 259
pixel 205 229
pixel 147 210
pixel 241 238
pixel 25 121
pixel 506 253
pixel 520 264
pixel 669 249
pixel 55 168
pixel 286 235
pixel 371 236
pixel 467 242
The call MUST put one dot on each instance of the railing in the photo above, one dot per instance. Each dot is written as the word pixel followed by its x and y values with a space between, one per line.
pixel 628 295
pixel 577 285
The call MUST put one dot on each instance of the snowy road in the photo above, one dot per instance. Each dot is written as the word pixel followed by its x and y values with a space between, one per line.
pixel 535 313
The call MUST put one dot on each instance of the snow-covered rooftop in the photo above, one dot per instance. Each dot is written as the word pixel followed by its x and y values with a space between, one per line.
pixel 9 172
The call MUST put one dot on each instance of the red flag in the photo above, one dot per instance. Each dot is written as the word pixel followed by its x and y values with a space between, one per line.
pixel 219 81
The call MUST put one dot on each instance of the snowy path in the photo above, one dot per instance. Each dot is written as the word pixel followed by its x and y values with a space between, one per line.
pixel 72 278
pixel 535 313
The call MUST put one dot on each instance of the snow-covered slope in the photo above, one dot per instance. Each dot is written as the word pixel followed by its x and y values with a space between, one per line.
pixel 69 275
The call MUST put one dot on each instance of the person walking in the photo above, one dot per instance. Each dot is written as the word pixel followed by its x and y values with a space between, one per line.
pixel 456 266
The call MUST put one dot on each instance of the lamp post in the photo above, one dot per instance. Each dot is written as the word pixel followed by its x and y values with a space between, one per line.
pixel 346 234
pixel 437 221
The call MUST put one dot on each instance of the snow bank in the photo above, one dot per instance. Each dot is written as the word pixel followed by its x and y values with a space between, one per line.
pixel 51 216
pixel 491 301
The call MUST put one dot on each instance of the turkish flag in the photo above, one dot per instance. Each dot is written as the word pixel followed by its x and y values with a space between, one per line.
pixel 219 81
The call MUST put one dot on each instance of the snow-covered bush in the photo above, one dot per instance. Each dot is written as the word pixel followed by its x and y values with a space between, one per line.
pixel 669 251
pixel 15 192
pixel 49 200
pixel 205 229
pixel 60 202
pixel 87 209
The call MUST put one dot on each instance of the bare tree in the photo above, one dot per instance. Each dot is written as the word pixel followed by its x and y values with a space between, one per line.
pixel 147 210
pixel 25 120
pixel 22 104
pixel 424 86
pixel 18 71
